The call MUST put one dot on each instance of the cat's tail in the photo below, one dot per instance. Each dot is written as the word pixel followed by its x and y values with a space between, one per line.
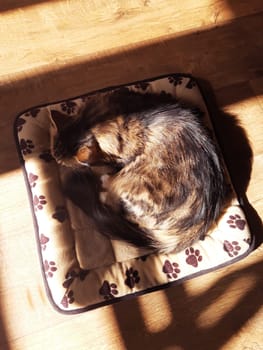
pixel 182 226
pixel 179 229
pixel 83 188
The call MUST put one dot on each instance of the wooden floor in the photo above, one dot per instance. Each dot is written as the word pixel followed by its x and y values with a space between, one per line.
pixel 52 50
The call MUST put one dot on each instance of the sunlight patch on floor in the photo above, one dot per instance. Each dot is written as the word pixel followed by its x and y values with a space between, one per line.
pixel 153 310
pixel 221 306
pixel 250 342
pixel 62 28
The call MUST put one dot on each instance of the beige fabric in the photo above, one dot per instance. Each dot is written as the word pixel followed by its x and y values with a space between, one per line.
pixel 83 268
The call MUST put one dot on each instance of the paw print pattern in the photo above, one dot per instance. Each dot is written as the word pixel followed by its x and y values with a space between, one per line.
pixel 191 83
pixel 68 298
pixel 108 290
pixel 46 156
pixel 39 202
pixel 232 248
pixel 60 214
pixel 72 275
pixel 142 86
pixel 171 269
pixel 247 240
pixel 82 274
pixel 68 107
pixel 50 268
pixel 32 178
pixel 69 278
pixel 132 277
pixel 43 241
pixel 33 112
pixel 166 94
pixel 26 146
pixel 235 221
pixel 193 256
pixel 19 124
pixel 175 80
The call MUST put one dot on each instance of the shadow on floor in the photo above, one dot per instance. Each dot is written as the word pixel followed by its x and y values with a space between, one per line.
pixel 200 53
pixel 237 153
pixel 7 5
pixel 186 331
pixel 223 56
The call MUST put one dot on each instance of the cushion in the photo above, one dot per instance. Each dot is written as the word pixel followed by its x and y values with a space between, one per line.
pixel 83 269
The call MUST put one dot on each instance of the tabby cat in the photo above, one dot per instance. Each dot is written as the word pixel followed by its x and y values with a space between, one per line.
pixel 164 186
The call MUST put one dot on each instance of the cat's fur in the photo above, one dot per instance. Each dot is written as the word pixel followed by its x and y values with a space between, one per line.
pixel 166 184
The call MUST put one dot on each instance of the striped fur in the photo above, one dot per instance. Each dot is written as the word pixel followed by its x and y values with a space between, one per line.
pixel 166 186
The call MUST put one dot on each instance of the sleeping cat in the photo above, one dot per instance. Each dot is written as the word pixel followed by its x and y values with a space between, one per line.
pixel 164 186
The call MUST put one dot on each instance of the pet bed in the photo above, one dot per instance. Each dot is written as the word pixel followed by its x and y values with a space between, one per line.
pixel 83 269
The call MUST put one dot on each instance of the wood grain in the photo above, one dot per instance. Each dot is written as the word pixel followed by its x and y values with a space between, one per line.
pixel 53 50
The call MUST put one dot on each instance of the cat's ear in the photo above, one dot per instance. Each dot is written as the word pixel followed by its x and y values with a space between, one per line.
pixel 89 152
pixel 58 119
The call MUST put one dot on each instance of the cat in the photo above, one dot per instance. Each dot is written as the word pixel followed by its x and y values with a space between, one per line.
pixel 165 185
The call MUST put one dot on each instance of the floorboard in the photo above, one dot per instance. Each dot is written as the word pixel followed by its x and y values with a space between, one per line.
pixel 53 50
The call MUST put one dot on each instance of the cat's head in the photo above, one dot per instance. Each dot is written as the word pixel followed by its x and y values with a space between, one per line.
pixel 72 143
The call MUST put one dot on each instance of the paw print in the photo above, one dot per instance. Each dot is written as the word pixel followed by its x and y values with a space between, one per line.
pixel 60 214
pixel 142 86
pixel 132 277
pixel 32 178
pixel 69 278
pixel 108 290
pixel 247 240
pixel 232 248
pixel 191 83
pixel 39 202
pixel 167 95
pixel 49 268
pixel 235 221
pixel 71 275
pixel 82 274
pixel 46 156
pixel 33 112
pixel 68 107
pixel 43 241
pixel 175 80
pixel 193 256
pixel 26 146
pixel 68 298
pixel 171 269
pixel 19 124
